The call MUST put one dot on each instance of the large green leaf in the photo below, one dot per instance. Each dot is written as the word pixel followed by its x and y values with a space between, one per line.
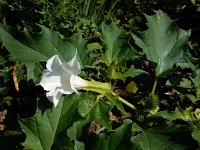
pixel 163 42
pixel 48 127
pixel 56 127
pixel 96 110
pixel 116 42
pixel 92 110
pixel 29 47
pixel 161 138
pixel 118 139
pixel 80 43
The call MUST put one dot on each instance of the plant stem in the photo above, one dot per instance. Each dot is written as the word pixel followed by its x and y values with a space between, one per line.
pixel 125 102
pixel 154 86
pixel 98 87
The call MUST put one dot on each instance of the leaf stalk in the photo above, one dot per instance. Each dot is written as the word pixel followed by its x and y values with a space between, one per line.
pixel 125 102
pixel 154 86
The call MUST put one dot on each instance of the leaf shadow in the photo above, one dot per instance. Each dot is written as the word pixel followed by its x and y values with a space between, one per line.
pixel 44 104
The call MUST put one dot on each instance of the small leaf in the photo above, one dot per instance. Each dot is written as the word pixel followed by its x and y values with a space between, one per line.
pixel 136 128
pixel 196 135
pixel 94 46
pixel 115 101
pixel 192 98
pixel 111 71
pixel 185 83
pixel 184 115
pixel 79 145
pixel 132 87
pixel 132 72
pixel 170 115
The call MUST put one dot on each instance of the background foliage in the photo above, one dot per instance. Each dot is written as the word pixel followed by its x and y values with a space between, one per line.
pixel 150 57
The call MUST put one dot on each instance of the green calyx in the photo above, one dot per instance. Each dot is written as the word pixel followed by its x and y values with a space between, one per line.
pixel 98 87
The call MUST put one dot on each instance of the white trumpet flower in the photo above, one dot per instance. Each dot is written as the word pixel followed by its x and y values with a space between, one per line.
pixel 61 78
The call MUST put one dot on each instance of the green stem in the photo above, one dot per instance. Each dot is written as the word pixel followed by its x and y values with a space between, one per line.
pixel 103 88
pixel 154 87
pixel 125 102
pixel 98 87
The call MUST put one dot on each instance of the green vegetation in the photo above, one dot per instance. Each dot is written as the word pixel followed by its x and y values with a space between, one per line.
pixel 148 51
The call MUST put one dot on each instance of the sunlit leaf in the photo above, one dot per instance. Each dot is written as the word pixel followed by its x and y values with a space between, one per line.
pixel 196 134
pixel 46 127
pixel 132 87
pixel 118 139
pixel 94 46
pixel 161 138
pixel 116 42
pixel 132 72
pixel 96 109
pixel 163 42
pixel 115 100
pixel 80 43
pixel 29 47
pixel 79 145
pixel 184 115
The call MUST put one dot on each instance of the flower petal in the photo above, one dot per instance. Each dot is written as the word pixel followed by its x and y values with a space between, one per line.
pixel 73 66
pixel 78 83
pixel 53 63
pixel 50 80
pixel 54 96
pixel 66 88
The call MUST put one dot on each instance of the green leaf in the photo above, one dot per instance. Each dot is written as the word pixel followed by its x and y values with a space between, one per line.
pixel 94 46
pixel 184 115
pixel 29 47
pixel 179 82
pixel 96 109
pixel 79 145
pixel 132 87
pixel 163 42
pixel 114 40
pixel 46 128
pixel 118 139
pixel 79 43
pixel 192 98
pixel 75 131
pixel 196 135
pixel 132 72
pixel 115 100
pixel 161 138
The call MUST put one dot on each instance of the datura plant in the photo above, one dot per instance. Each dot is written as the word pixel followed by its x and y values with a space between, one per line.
pixel 62 78
pixel 147 68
